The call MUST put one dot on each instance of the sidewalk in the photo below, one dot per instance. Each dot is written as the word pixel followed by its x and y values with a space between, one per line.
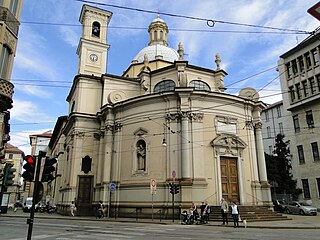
pixel 294 222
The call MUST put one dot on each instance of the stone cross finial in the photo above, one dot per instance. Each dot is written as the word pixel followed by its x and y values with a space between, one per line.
pixel 218 61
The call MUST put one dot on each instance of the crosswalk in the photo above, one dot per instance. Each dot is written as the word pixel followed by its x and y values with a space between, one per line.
pixel 134 232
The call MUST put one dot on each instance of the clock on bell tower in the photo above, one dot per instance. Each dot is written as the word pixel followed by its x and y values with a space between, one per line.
pixel 93 47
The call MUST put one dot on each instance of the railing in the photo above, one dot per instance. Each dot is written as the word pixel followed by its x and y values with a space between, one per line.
pixel 6 90
pixel 210 196
pixel 160 211
pixel 136 212
pixel 255 198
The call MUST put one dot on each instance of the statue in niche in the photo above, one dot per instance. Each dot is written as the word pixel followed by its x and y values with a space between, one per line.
pixel 182 78
pixel 141 155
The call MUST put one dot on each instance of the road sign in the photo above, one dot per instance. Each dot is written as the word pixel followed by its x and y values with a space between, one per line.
pixel 112 186
pixel 174 174
pixel 315 11
pixel 153 186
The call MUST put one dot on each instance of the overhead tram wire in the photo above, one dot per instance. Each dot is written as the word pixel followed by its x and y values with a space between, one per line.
pixel 210 22
pixel 171 29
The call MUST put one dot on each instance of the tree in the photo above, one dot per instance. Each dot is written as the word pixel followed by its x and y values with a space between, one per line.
pixel 279 168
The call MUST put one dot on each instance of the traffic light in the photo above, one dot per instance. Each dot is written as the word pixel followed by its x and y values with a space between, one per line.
pixel 176 189
pixel 29 167
pixel 9 174
pixel 171 185
pixel 48 169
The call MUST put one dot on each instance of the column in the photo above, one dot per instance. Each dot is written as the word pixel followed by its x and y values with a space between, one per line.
pixel 260 153
pixel 185 160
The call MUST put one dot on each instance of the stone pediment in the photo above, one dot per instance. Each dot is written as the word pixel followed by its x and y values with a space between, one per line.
pixel 140 132
pixel 228 140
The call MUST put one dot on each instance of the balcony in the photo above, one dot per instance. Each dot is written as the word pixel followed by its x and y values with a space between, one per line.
pixel 9 19
pixel 6 93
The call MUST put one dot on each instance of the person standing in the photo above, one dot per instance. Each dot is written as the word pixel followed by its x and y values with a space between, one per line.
pixel 224 210
pixel 100 209
pixel 235 214
pixel 207 211
pixel 202 207
pixel 72 208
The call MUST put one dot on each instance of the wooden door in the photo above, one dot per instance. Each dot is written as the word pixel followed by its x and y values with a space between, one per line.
pixel 84 199
pixel 229 179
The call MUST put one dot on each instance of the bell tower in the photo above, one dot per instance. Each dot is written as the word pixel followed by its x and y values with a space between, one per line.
pixel 93 47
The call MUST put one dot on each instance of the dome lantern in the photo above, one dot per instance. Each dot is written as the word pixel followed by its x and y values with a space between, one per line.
pixel 158 32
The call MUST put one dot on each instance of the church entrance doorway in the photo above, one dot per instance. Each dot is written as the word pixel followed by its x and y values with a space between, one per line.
pixel 229 178
pixel 84 206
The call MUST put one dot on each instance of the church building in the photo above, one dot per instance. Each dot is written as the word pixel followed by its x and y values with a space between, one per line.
pixel 162 121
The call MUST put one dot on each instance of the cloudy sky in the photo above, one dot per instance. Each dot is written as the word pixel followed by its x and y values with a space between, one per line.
pixel 46 60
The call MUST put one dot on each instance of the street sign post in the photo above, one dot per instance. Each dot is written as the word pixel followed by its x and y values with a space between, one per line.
pixel 174 174
pixel 153 186
pixel 153 190
pixel 112 187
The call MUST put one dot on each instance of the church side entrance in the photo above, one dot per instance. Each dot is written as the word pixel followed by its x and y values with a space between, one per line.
pixel 229 179
pixel 84 206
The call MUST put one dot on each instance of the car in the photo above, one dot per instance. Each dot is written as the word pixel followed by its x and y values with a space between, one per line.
pixel 279 205
pixel 296 207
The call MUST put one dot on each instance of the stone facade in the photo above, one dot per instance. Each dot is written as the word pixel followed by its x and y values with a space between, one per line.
pixel 116 127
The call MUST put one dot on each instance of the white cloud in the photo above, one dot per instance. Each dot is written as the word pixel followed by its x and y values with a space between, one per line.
pixel 26 111
pixel 21 139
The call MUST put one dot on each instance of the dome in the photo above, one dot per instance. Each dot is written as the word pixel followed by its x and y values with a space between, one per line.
pixel 168 54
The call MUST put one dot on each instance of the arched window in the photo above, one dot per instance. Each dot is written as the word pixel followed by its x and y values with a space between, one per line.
pixel 164 86
pixel 96 29
pixel 141 155
pixel 199 85
pixel 161 35
pixel 155 33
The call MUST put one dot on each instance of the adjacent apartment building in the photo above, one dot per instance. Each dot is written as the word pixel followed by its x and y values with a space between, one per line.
pixel 274 123
pixel 10 11
pixel 300 83
pixel 14 156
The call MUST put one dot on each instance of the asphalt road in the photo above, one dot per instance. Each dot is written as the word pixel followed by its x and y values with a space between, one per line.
pixel 63 229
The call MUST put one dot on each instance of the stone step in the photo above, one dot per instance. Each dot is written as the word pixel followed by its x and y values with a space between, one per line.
pixel 250 213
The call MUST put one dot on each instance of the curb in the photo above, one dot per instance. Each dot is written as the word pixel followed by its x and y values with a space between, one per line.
pixel 165 222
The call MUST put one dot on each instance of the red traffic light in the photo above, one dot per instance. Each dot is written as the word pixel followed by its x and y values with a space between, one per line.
pixel 30 159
